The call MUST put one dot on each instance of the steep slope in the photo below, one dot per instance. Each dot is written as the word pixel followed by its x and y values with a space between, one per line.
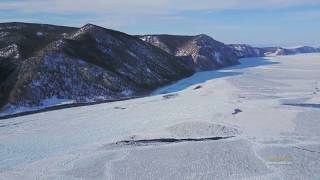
pixel 206 53
pixel 82 65
pixel 18 42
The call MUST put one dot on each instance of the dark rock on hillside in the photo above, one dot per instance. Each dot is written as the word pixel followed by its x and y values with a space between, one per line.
pixel 244 50
pixel 206 53
pixel 43 65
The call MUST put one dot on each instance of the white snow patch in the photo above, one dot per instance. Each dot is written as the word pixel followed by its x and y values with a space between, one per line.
pixel 127 92
pixel 275 53
pixel 217 57
pixel 10 51
pixel 132 54
pixel 4 34
pixel 40 34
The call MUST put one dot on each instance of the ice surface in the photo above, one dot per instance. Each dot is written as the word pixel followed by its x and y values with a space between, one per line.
pixel 49 102
pixel 212 160
pixel 272 140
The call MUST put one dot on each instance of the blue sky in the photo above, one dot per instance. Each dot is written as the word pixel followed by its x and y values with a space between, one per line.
pixel 256 22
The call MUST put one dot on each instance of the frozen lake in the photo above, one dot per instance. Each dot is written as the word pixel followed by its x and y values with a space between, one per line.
pixel 266 110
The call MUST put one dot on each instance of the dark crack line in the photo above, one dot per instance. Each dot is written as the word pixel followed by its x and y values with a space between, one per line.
pixel 8 125
pixel 303 105
pixel 168 140
pixel 308 150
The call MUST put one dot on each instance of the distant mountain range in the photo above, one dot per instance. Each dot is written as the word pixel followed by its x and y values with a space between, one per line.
pixel 243 50
pixel 45 65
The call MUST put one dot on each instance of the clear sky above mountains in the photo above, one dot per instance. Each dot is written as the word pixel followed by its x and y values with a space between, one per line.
pixel 257 22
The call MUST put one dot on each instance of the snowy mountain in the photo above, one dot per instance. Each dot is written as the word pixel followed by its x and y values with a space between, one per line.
pixel 44 65
pixel 243 50
pixel 206 53
pixel 209 54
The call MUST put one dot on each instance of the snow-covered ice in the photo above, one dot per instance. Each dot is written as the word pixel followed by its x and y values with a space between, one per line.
pixel 49 102
pixel 274 132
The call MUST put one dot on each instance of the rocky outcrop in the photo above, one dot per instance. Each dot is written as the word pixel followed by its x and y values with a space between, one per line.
pixel 205 52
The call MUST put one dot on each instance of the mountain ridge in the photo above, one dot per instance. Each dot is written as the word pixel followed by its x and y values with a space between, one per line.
pixel 43 65
pixel 86 64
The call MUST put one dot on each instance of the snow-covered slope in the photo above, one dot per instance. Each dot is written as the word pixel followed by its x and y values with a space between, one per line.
pixel 267 109
pixel 206 53
pixel 44 64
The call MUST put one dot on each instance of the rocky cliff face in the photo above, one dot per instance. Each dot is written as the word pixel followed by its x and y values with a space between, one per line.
pixel 205 52
pixel 42 65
